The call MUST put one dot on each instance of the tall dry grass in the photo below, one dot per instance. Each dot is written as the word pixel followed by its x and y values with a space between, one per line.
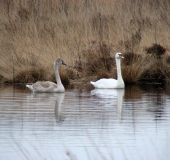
pixel 33 33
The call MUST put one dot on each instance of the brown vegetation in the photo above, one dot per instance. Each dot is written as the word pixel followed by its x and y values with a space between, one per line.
pixel 156 50
pixel 85 34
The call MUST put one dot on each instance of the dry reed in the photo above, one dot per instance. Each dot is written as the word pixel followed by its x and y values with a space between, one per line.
pixel 35 33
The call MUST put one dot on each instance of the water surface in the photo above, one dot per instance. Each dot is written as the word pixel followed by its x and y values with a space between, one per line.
pixel 84 123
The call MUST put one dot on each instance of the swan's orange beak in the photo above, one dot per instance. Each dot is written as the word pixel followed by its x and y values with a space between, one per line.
pixel 121 56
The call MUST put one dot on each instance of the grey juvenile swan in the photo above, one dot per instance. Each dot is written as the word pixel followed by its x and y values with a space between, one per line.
pixel 47 86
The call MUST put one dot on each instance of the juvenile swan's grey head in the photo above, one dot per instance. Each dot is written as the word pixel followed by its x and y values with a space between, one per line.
pixel 119 55
pixel 59 62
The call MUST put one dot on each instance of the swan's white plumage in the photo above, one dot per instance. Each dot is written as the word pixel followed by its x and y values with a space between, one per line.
pixel 105 83
pixel 47 86
pixel 112 83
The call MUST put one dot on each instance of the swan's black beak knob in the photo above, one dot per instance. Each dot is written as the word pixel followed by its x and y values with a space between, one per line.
pixel 120 56
pixel 63 63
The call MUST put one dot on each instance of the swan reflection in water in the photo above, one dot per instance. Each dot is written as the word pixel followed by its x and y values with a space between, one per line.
pixel 50 99
pixel 114 94
pixel 57 111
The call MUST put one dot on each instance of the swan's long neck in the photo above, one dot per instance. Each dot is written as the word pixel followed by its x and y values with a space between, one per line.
pixel 119 73
pixel 57 76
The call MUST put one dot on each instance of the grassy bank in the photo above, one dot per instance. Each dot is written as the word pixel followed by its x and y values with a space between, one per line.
pixel 85 34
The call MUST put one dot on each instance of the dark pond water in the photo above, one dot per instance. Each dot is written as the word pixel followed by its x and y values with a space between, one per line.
pixel 85 124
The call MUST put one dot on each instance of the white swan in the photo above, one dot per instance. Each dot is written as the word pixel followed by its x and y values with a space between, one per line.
pixel 47 86
pixel 112 83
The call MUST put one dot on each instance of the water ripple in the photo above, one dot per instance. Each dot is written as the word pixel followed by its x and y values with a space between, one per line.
pixel 110 124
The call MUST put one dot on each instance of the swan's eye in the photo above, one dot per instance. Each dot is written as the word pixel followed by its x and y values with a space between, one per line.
pixel 61 61
pixel 119 56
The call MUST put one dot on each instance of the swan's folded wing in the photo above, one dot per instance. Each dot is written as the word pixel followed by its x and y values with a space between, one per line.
pixel 44 86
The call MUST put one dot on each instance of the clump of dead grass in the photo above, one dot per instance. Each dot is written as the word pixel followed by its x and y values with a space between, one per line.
pixel 30 75
pixel 98 60
pixel 133 67
pixel 146 68
pixel 158 72
pixel 130 58
pixel 156 50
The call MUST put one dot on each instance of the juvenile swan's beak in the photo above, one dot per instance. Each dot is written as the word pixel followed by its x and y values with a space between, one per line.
pixel 63 63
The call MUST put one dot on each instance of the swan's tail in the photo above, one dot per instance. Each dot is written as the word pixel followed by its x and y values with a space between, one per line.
pixel 30 87
pixel 92 82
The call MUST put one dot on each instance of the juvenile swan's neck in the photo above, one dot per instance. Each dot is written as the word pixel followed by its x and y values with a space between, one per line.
pixel 119 73
pixel 57 76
